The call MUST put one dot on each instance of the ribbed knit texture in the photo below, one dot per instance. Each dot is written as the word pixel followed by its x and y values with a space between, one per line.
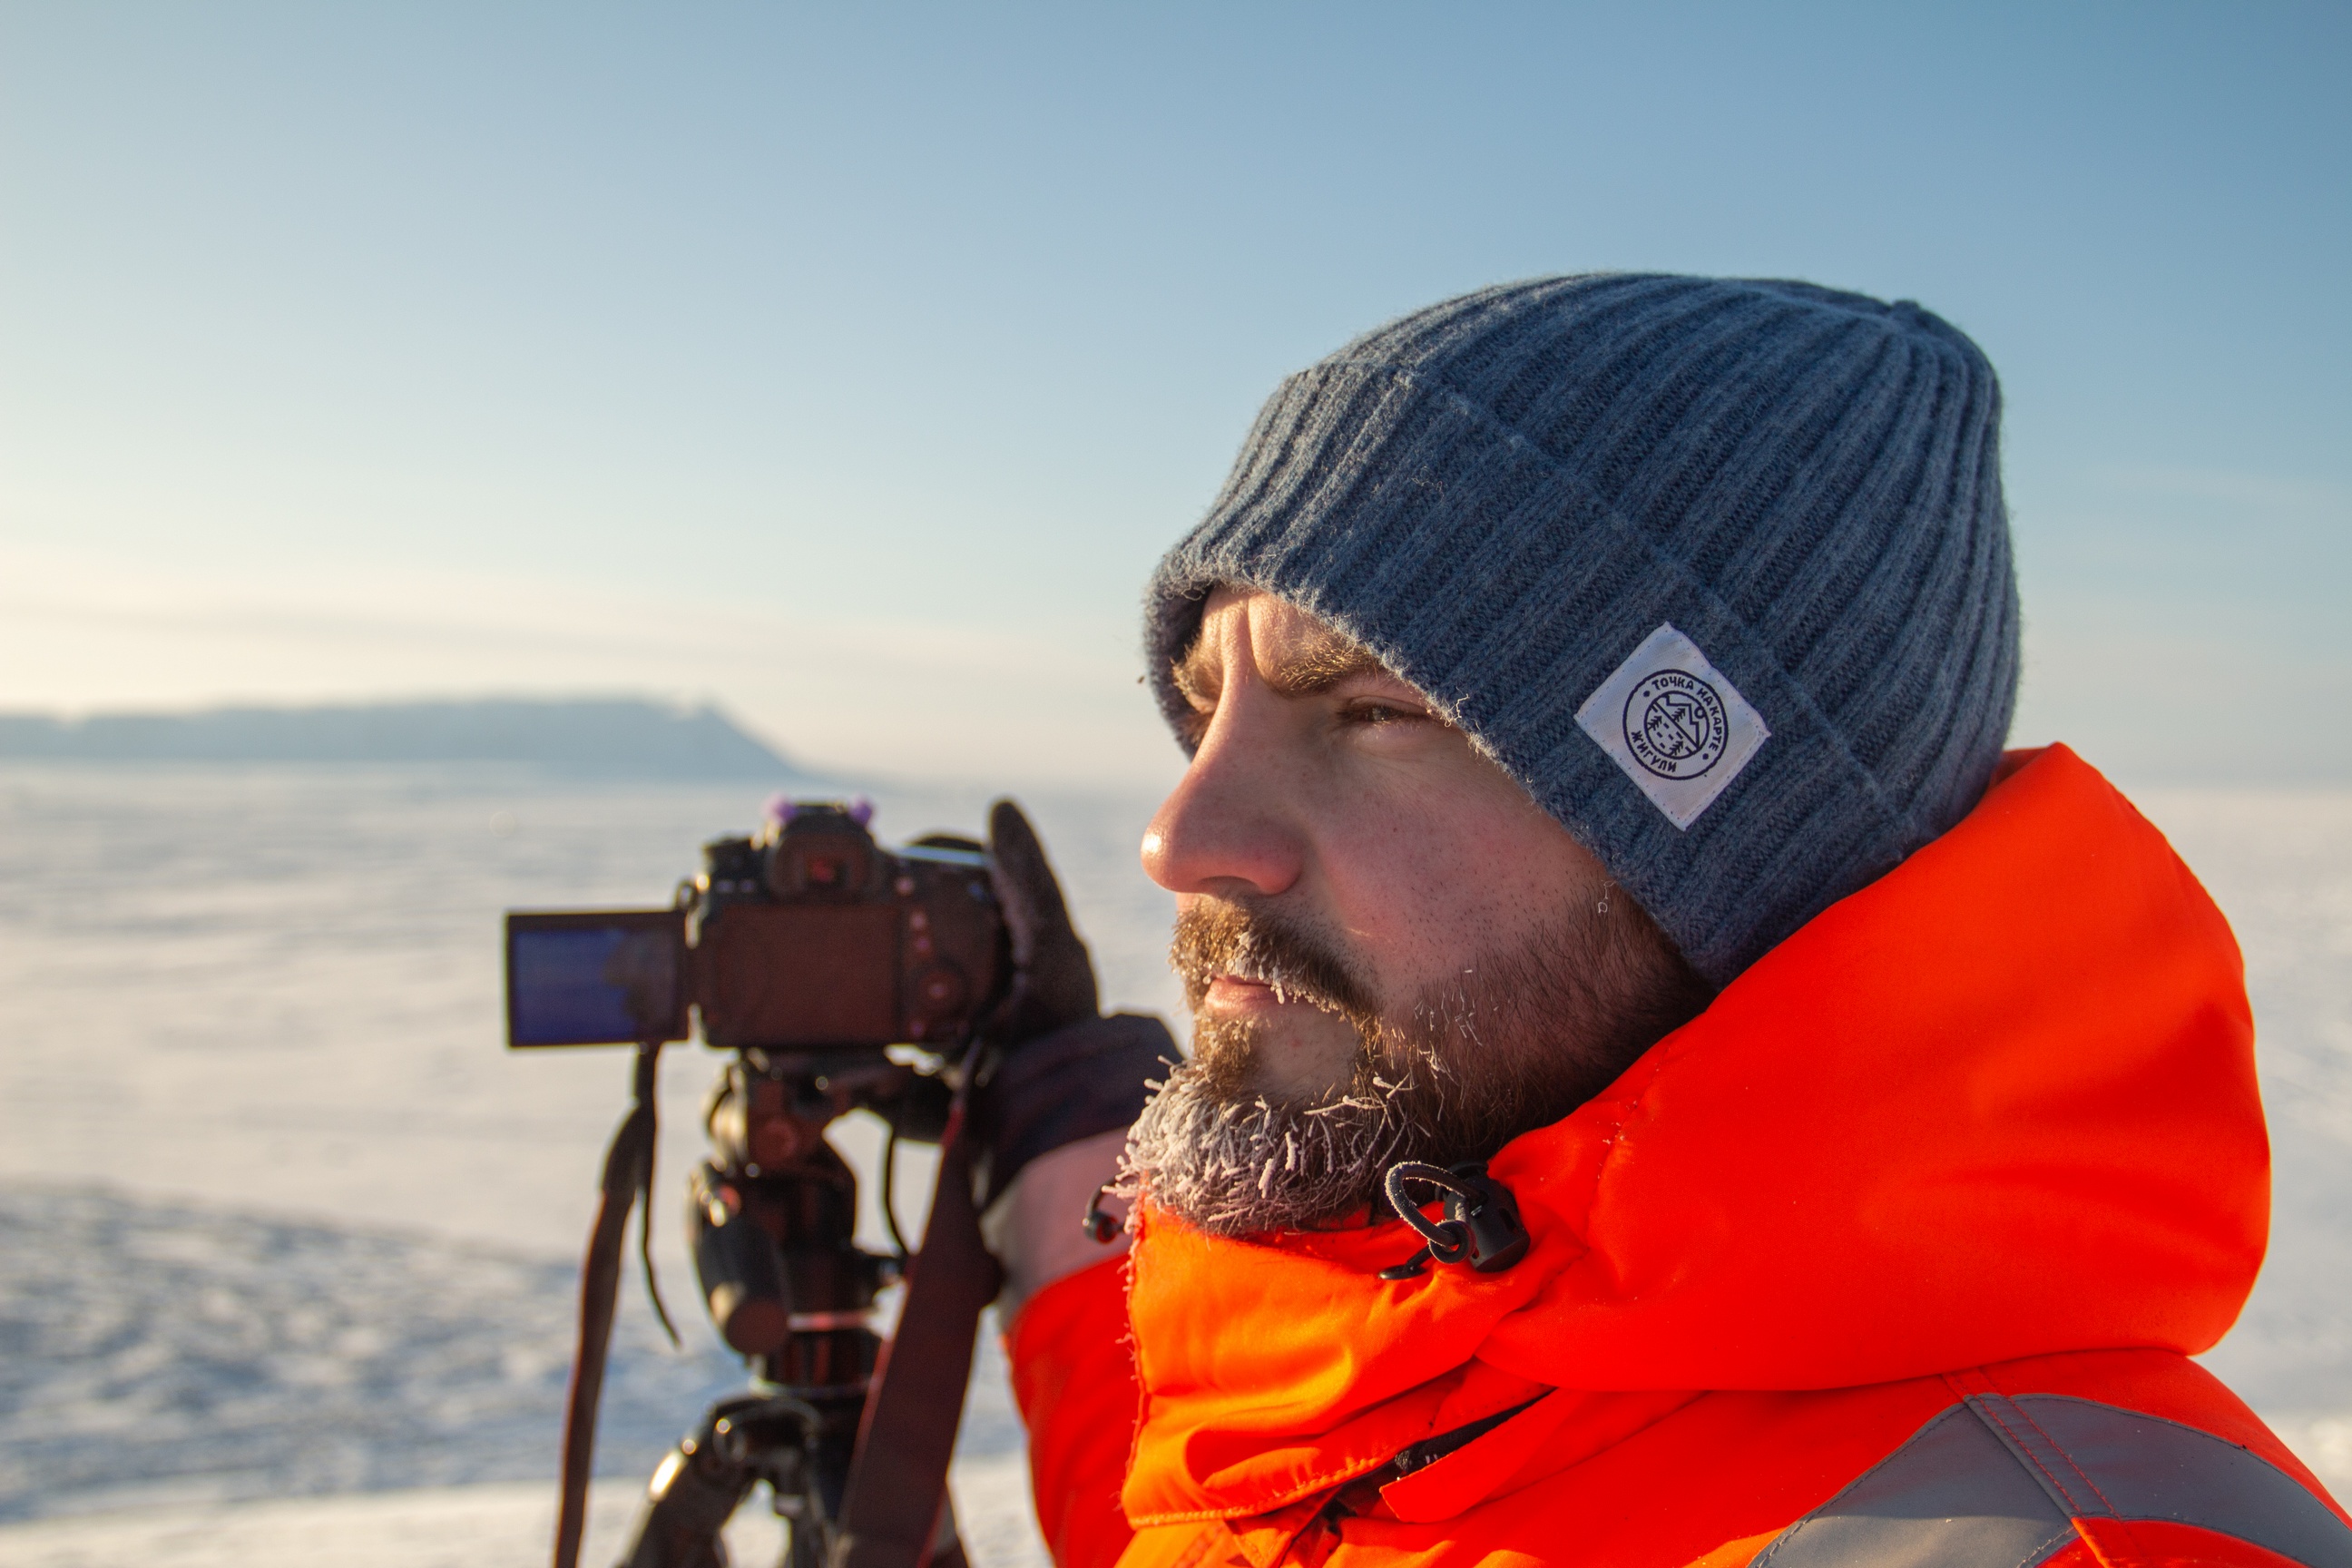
pixel 1501 495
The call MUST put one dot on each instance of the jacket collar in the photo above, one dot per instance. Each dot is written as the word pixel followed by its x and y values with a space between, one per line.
pixel 2000 1103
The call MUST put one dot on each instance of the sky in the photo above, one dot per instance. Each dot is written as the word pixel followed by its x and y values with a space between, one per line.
pixel 851 367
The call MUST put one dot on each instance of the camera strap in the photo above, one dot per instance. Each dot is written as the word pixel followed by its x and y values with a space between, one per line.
pixel 628 1176
pixel 899 1477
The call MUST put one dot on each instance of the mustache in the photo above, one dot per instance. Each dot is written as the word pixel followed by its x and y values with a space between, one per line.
pixel 1214 938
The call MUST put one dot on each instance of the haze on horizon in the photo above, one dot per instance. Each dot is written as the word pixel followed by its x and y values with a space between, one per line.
pixel 852 369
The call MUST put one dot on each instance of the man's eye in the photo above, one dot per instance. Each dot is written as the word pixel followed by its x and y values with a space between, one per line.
pixel 1194 727
pixel 1371 711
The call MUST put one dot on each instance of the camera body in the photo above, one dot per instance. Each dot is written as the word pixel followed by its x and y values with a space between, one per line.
pixel 812 935
pixel 806 936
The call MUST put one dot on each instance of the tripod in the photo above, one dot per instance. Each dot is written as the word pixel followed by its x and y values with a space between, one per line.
pixel 772 1216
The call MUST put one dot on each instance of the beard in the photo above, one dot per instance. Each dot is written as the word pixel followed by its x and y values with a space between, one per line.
pixel 1517 1041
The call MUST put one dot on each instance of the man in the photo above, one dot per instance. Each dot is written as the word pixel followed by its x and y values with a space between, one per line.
pixel 1666 1089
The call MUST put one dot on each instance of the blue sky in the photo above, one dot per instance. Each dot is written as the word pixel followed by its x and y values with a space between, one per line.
pixel 852 368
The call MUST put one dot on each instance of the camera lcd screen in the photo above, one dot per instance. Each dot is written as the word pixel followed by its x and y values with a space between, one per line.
pixel 601 978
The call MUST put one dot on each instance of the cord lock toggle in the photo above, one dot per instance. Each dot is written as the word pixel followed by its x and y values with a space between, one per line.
pixel 1481 1225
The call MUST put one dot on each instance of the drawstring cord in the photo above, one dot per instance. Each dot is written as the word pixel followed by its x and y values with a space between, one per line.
pixel 1481 1225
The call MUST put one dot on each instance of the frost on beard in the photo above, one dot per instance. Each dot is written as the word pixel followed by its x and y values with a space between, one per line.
pixel 1243 1164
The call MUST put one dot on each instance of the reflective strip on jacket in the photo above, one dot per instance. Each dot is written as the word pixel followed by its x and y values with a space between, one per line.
pixel 1896 1254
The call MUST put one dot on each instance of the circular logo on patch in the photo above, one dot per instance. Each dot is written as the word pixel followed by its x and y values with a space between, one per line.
pixel 1675 725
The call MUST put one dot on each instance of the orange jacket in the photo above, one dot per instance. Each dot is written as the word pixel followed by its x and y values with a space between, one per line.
pixel 1895 1254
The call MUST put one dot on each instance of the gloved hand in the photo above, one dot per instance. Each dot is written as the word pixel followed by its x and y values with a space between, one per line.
pixel 1060 1085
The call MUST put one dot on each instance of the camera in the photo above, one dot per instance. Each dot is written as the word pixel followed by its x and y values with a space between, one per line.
pixel 807 936
pixel 806 949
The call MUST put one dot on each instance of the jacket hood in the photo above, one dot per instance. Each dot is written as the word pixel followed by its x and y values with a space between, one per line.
pixel 2000 1103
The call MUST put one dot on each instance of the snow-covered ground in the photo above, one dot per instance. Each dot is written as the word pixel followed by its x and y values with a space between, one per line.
pixel 492 1525
pixel 170 1367
pixel 279 1215
pixel 279 1219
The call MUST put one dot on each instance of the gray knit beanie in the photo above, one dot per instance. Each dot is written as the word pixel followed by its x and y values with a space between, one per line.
pixel 1716 569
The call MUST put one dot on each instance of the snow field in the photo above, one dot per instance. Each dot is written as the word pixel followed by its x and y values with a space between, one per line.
pixel 287 1240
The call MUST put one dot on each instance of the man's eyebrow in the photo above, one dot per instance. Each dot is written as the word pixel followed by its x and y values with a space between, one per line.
pixel 1197 674
pixel 1323 664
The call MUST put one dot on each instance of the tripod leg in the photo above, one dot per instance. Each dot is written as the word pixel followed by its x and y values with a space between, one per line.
pixel 694 1492
pixel 804 1548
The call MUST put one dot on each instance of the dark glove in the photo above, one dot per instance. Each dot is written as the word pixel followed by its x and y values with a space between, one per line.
pixel 1055 1072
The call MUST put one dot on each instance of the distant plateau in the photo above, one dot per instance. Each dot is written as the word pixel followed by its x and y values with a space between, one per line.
pixel 602 737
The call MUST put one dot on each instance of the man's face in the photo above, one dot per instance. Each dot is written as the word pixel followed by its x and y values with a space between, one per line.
pixel 1390 951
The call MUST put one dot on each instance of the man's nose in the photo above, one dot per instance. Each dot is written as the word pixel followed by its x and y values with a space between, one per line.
pixel 1230 826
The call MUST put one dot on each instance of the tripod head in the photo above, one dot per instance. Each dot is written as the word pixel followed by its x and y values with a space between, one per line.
pixel 772 1213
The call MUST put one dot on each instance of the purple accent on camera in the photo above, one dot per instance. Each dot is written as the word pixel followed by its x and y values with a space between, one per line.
pixel 779 809
pixel 861 811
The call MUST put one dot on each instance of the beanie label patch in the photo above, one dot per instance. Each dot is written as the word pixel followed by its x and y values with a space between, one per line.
pixel 1678 729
